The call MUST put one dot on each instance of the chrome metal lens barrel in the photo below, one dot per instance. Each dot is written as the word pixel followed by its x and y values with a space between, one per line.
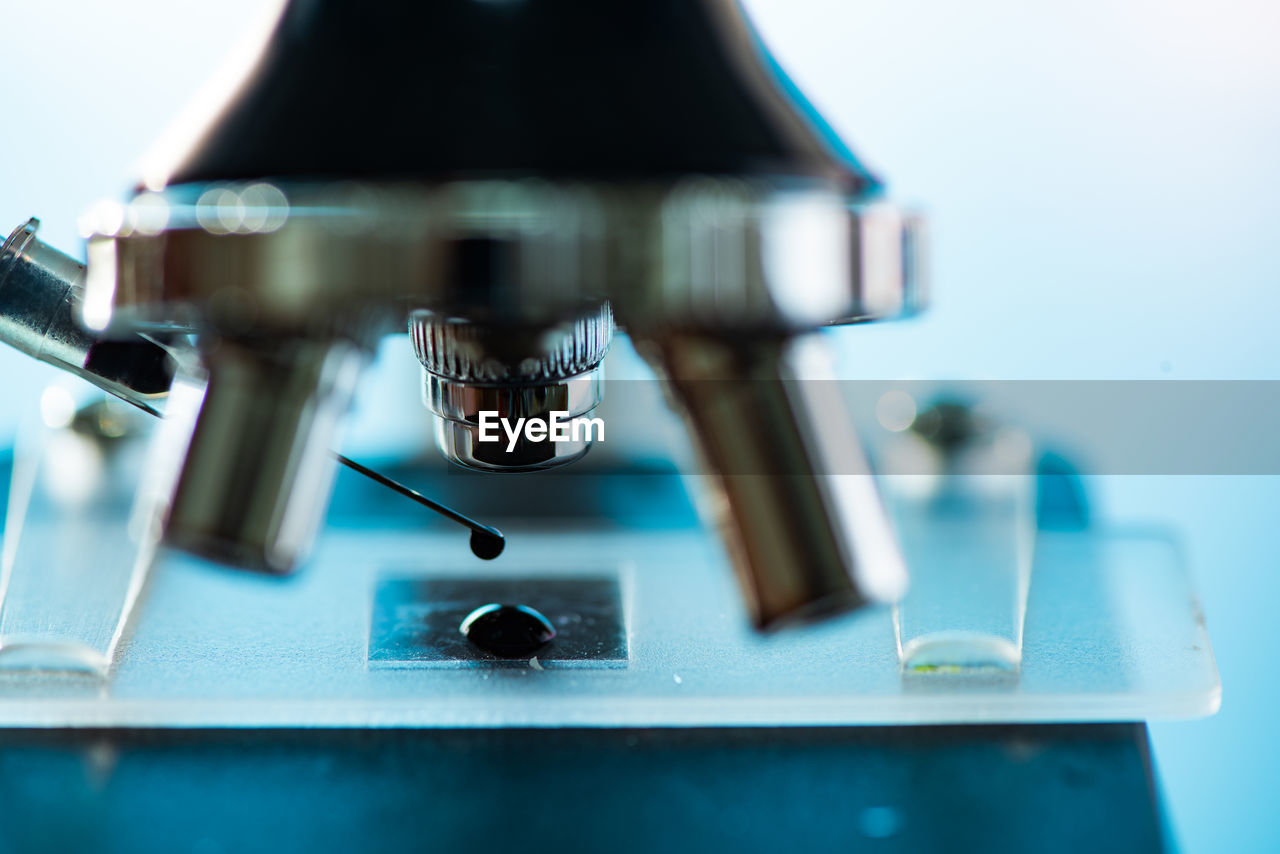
pixel 791 489
pixel 41 294
pixel 510 398
pixel 254 480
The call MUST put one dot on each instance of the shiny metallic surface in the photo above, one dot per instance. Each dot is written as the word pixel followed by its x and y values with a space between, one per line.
pixel 460 443
pixel 41 291
pixel 700 260
pixel 458 407
pixel 807 535
pixel 464 402
pixel 702 251
pixel 474 352
pixel 253 482
pixel 709 208
pixel 890 266
pixel 516 374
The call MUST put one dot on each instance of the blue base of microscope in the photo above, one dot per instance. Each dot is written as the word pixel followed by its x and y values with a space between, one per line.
pixel 1044 788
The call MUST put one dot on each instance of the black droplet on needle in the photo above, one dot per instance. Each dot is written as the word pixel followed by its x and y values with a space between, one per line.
pixel 485 545
pixel 486 542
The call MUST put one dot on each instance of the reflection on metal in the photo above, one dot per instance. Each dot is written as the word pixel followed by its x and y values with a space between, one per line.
pixel 514 373
pixel 41 290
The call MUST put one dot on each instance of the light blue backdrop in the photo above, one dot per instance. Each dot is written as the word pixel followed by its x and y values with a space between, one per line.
pixel 1103 181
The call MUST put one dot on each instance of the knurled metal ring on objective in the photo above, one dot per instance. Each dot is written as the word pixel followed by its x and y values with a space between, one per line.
pixel 468 351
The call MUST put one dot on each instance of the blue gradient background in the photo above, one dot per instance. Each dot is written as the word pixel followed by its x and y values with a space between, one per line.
pixel 1103 183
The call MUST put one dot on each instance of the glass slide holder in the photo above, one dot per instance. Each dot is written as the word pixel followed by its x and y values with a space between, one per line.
pixel 71 568
pixel 967 533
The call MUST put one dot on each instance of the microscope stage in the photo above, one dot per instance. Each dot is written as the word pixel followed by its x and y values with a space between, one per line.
pixel 650 634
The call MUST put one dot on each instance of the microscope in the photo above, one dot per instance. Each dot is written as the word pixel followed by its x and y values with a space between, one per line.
pixel 520 185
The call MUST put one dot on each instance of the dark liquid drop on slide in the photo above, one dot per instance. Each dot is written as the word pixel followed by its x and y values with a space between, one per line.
pixel 508 631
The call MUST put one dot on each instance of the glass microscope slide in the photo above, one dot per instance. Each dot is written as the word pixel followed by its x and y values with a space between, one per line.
pixel 68 581
pixel 967 533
